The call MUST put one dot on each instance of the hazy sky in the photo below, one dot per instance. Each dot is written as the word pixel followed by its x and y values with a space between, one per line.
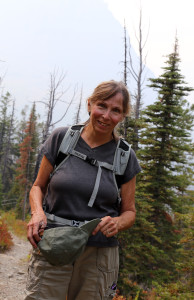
pixel 84 38
pixel 79 37
pixel 163 19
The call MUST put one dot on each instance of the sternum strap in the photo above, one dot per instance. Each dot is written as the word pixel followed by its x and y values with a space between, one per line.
pixel 98 164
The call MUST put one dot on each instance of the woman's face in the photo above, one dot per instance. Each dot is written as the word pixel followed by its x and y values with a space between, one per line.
pixel 105 115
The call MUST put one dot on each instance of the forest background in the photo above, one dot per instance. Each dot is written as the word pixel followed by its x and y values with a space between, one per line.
pixel 156 253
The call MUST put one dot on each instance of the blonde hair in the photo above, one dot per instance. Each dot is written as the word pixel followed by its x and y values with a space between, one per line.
pixel 108 89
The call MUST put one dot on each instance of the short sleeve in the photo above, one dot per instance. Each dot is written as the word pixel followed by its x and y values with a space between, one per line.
pixel 132 169
pixel 51 145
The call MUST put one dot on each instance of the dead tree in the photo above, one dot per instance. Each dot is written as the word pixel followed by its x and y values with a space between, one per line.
pixel 139 78
pixel 56 94
pixel 123 125
pixel 125 57
pixel 77 115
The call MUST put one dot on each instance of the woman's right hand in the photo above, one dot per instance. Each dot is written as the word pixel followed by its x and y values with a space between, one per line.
pixel 35 227
pixel 39 221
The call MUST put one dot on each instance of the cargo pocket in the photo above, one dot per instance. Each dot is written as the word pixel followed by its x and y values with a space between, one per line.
pixel 108 267
pixel 36 271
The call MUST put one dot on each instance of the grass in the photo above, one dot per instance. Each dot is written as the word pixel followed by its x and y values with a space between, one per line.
pixel 18 227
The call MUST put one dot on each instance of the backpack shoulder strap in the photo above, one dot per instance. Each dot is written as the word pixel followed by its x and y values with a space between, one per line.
pixel 68 144
pixel 121 157
pixel 70 139
pixel 120 161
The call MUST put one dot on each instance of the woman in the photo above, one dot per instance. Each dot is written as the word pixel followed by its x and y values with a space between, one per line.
pixel 94 274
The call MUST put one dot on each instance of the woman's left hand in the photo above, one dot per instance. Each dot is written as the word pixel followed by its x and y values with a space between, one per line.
pixel 108 226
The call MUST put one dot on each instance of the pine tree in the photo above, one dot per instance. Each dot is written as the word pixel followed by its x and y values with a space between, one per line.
pixel 8 163
pixel 4 121
pixel 26 164
pixel 152 248
pixel 166 147
pixel 1 192
pixel 7 143
pixel 139 252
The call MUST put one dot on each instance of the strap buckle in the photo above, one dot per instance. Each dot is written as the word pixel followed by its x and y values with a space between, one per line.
pixel 91 160
pixel 75 223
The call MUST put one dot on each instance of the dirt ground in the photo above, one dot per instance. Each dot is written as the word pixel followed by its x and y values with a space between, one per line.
pixel 13 270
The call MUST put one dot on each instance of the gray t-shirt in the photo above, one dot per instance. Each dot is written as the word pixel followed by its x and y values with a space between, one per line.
pixel 71 186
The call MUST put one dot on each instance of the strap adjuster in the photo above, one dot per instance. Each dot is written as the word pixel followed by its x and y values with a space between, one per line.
pixel 51 217
pixel 91 160
pixel 75 223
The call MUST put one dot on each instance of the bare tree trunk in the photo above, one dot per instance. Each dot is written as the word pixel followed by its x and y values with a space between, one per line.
pixel 125 73
pixel 77 115
pixel 125 56
pixel 138 77
pixel 55 96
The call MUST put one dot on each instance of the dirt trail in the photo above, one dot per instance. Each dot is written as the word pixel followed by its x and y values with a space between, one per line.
pixel 13 270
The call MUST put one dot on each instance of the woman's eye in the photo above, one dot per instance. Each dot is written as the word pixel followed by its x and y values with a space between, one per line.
pixel 102 105
pixel 116 110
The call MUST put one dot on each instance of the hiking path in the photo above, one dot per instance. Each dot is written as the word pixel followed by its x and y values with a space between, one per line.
pixel 13 269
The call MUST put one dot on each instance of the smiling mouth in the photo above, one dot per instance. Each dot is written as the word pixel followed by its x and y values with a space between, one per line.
pixel 102 124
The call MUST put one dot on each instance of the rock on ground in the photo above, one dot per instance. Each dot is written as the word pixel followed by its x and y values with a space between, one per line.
pixel 13 270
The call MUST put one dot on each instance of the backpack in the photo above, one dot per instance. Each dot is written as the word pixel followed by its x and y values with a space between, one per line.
pixel 118 167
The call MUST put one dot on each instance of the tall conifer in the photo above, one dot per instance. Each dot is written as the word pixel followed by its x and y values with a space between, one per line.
pixel 152 248
pixel 166 148
pixel 26 164
pixel 7 143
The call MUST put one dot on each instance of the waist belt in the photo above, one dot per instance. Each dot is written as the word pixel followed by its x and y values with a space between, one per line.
pixel 52 219
pixel 63 245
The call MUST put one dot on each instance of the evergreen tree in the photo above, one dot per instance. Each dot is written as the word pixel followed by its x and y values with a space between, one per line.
pixel 138 253
pixel 26 164
pixel 1 192
pixel 4 121
pixel 7 143
pixel 9 158
pixel 166 147
pixel 152 248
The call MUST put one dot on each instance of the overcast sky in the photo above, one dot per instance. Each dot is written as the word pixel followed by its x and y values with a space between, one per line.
pixel 84 38
pixel 163 19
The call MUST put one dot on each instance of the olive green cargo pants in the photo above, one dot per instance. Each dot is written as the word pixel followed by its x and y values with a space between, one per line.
pixel 92 276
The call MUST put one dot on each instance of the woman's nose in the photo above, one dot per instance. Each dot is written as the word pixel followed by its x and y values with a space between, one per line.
pixel 106 114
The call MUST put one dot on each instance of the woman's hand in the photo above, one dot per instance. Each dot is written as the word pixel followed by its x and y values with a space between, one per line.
pixel 36 228
pixel 108 226
pixel 38 221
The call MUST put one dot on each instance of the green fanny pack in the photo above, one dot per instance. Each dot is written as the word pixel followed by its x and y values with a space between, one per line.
pixel 62 245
